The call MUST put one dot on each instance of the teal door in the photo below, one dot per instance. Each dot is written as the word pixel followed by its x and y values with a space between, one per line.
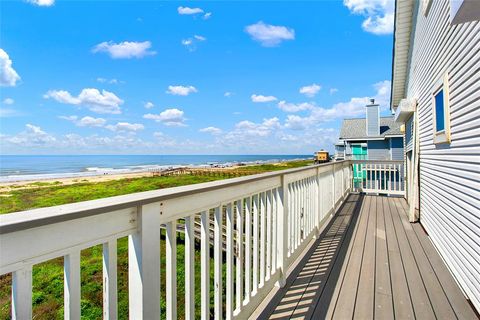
pixel 359 173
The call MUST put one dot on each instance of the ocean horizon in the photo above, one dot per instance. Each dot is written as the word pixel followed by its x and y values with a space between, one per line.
pixel 40 167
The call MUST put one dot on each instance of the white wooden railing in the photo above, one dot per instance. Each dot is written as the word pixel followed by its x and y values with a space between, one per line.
pixel 379 176
pixel 269 219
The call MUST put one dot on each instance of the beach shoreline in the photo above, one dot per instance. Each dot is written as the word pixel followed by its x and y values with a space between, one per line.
pixel 89 177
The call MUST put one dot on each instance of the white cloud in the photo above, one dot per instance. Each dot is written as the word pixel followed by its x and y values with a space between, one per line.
pixel 85 121
pixel 355 107
pixel 91 122
pixel 211 130
pixel 295 122
pixel 8 75
pixel 260 98
pixel 149 105
pixel 311 90
pixel 31 136
pixel 228 94
pixel 333 90
pixel 42 3
pixel 191 43
pixel 269 35
pixel 292 107
pixel 110 81
pixel 104 102
pixel 125 126
pixel 8 101
pixel 170 117
pixel 207 16
pixel 181 90
pixel 7 112
pixel 125 50
pixel 379 14
pixel 189 11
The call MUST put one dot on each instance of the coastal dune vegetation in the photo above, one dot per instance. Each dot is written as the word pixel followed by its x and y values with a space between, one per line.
pixel 47 295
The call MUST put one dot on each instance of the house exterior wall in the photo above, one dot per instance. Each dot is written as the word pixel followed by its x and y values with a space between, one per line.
pixel 396 149
pixel 449 173
pixel 378 150
pixel 409 134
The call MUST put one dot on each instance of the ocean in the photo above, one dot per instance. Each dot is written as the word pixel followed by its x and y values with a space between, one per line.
pixel 40 167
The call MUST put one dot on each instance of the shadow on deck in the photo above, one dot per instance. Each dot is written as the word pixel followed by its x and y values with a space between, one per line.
pixel 370 262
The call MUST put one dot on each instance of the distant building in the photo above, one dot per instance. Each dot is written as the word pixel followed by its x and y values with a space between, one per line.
pixel 436 96
pixel 370 138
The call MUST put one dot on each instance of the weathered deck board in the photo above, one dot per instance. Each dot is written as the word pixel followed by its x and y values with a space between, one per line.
pixel 370 262
pixel 383 290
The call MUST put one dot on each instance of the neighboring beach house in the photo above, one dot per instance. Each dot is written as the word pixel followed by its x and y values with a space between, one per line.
pixel 370 138
pixel 436 95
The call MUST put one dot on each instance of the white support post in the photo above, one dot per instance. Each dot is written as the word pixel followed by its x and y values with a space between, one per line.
pixel 189 268
pixel 144 264
pixel 204 265
pixel 72 286
pixel 282 231
pixel 110 310
pixel 218 249
pixel 248 249
pixel 171 273
pixel 22 294
pixel 229 297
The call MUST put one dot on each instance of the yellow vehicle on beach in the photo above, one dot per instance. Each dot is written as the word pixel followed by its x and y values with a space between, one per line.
pixel 321 156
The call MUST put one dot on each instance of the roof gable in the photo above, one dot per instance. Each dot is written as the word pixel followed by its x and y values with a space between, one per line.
pixel 356 128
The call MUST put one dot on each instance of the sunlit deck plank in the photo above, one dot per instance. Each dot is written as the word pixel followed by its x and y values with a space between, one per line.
pixel 370 262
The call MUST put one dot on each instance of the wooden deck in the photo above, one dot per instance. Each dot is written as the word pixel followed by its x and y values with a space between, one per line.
pixel 370 262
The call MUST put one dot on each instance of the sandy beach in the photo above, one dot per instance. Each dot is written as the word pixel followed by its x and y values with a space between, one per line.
pixel 48 182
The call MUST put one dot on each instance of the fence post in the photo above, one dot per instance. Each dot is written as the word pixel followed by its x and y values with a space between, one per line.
pixel 144 264
pixel 282 233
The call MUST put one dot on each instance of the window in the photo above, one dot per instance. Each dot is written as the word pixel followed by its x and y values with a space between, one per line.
pixel 441 113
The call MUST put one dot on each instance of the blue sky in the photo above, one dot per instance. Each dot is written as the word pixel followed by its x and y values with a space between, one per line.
pixel 189 77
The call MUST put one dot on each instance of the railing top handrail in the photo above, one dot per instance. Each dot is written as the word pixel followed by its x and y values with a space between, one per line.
pixel 378 161
pixel 22 220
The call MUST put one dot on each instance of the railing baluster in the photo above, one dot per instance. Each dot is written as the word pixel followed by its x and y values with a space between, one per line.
pixel 239 259
pixel 229 298
pixel 110 309
pixel 262 238
pixel 72 286
pixel 268 269
pixel 395 177
pixel 248 248
pixel 218 249
pixel 255 245
pixel 171 286
pixel 204 265
pixel 189 268
pixel 274 229
pixel 144 263
pixel 282 230
pixel 22 293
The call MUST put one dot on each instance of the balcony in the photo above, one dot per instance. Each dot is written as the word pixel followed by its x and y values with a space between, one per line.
pixel 295 243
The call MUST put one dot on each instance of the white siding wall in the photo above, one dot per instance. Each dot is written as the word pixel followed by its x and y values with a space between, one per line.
pixel 450 174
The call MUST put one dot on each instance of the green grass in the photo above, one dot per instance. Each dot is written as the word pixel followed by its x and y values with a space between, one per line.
pixel 48 276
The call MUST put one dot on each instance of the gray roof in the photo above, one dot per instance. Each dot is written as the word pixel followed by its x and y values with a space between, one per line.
pixel 356 128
